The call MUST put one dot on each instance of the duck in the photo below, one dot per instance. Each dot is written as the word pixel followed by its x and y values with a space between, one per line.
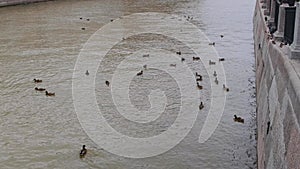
pixel 37 80
pixel 211 62
pixel 83 29
pixel 212 43
pixel 222 36
pixel 221 59
pixel 199 86
pixel 182 59
pixel 111 20
pixel 83 152
pixel 178 53
pixel 215 73
pixel 49 94
pixel 139 73
pixel 145 66
pixel 216 81
pixel 199 77
pixel 146 55
pixel 107 83
pixel 88 19
pixel 281 44
pixel 225 88
pixel 87 72
pixel 173 65
pixel 201 106
pixel 273 42
pixel 196 58
pixel 39 89
pixel 238 119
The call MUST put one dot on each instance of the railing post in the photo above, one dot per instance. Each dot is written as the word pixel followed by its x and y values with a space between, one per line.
pixel 272 11
pixel 279 34
pixel 295 47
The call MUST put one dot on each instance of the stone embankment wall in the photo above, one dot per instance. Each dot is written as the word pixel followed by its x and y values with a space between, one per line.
pixel 278 100
pixel 17 2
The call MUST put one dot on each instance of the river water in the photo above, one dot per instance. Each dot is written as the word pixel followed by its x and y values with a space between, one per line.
pixel 43 40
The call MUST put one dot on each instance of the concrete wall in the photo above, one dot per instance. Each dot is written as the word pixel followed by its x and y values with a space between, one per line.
pixel 278 101
pixel 17 2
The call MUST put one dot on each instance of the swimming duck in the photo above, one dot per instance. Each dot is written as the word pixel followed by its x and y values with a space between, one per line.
pixel 178 53
pixel 146 55
pixel 111 20
pixel 83 152
pixel 211 62
pixel 139 73
pixel 107 83
pixel 221 59
pixel 238 119
pixel 37 81
pixel 49 94
pixel 39 89
pixel 216 81
pixel 196 58
pixel 212 43
pixel 87 72
pixel 83 29
pixel 199 77
pixel 199 86
pixel 145 66
pixel 222 36
pixel 88 19
pixel 225 88
pixel 173 65
pixel 201 106
pixel 182 59
pixel 80 18
pixel 215 73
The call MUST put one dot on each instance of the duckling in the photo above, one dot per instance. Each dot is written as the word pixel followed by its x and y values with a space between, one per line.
pixel 49 94
pixel 216 81
pixel 211 62
pixel 221 59
pixel 146 55
pixel 201 106
pixel 37 81
pixel 238 119
pixel 83 152
pixel 39 89
pixel 107 83
pixel 87 72
pixel 178 53
pixel 196 58
pixel 173 65
pixel 182 59
pixel 212 43
pixel 199 86
pixel 215 73
pixel 139 73
pixel 225 88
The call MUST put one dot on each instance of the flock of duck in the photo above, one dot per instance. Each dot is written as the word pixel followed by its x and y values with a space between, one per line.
pixel 199 78
pixel 42 89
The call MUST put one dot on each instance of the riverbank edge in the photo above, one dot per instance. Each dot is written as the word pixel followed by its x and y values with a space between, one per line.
pixel 278 100
pixel 5 3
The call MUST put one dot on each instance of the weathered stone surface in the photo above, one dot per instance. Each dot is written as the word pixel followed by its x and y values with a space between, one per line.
pixel 16 2
pixel 278 101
